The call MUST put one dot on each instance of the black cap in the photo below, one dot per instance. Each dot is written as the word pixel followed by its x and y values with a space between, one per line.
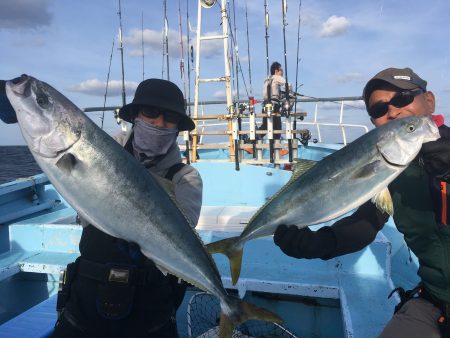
pixel 161 94
pixel 401 78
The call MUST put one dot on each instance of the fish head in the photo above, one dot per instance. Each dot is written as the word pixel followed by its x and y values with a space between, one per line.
pixel 402 139
pixel 45 116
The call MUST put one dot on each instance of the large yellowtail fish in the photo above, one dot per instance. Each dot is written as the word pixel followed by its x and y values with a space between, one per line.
pixel 114 192
pixel 337 184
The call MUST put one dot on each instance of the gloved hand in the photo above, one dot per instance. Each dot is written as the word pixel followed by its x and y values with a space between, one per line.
pixel 305 243
pixel 7 113
pixel 436 155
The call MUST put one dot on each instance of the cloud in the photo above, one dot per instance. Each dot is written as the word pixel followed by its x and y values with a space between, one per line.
pixel 25 14
pixel 351 77
pixel 221 94
pixel 348 105
pixel 96 87
pixel 334 26
pixel 153 43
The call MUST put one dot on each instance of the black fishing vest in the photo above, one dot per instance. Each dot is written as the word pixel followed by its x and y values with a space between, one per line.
pixel 117 291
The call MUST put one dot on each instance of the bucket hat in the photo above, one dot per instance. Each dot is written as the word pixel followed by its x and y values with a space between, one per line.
pixel 161 94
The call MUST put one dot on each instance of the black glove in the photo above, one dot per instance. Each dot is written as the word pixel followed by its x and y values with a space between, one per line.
pixel 304 243
pixel 7 113
pixel 436 155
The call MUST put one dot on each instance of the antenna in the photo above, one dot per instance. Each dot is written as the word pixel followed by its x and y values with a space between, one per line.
pixel 121 55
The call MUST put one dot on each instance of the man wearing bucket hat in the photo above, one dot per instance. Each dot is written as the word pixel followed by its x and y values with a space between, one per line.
pixel 420 196
pixel 145 305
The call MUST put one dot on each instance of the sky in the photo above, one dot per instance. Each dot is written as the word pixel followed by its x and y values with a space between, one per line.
pixel 341 45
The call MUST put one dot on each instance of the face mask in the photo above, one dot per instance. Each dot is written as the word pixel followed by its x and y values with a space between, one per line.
pixel 152 141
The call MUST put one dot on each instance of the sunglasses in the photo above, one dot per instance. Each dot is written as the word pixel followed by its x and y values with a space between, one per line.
pixel 153 113
pixel 399 100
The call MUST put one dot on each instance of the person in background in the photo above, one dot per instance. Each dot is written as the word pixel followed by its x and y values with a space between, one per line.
pixel 421 199
pixel 273 91
pixel 145 303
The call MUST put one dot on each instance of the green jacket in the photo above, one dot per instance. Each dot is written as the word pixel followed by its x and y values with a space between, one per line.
pixel 417 218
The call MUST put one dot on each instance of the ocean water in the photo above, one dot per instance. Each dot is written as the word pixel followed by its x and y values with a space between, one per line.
pixel 15 162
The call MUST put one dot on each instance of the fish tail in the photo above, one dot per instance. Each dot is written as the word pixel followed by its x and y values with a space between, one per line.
pixel 240 313
pixel 231 248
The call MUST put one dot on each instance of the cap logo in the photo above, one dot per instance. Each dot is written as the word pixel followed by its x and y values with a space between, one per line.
pixel 402 77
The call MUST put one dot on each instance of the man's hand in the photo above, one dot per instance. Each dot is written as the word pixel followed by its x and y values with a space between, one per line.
pixel 436 155
pixel 304 243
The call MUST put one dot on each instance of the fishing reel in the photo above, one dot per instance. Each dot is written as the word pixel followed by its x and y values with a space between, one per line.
pixel 286 107
pixel 305 136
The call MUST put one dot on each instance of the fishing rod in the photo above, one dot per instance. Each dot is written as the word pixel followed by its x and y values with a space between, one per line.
pixel 166 41
pixel 248 52
pixel 107 83
pixel 182 51
pixel 251 98
pixel 185 133
pixel 121 55
pixel 188 28
pixel 142 45
pixel 239 108
pixel 297 59
pixel 236 51
pixel 266 18
pixel 286 107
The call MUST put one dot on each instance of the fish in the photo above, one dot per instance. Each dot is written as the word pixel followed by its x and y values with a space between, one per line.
pixel 340 182
pixel 110 189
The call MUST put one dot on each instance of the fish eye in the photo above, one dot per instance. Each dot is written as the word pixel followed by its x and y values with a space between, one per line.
pixel 410 127
pixel 42 100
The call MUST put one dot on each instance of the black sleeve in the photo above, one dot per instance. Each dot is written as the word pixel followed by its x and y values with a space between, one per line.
pixel 354 232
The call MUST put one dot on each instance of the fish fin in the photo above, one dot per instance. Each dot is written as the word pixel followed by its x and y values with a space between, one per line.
pixel 301 166
pixel 383 201
pixel 67 162
pixel 163 271
pixel 166 185
pixel 229 247
pixel 368 170
pixel 241 312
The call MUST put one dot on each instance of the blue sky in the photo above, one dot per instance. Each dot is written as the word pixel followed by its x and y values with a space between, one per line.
pixel 343 43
